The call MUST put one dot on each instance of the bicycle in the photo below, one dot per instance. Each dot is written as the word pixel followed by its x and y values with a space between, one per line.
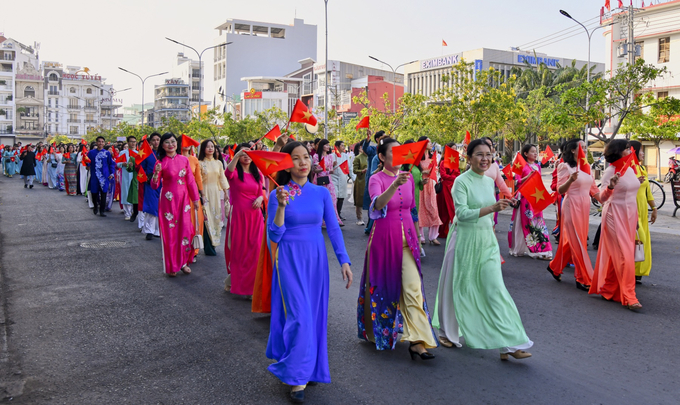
pixel 657 192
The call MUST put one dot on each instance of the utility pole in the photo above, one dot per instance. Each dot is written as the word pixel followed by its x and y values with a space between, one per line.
pixel 631 37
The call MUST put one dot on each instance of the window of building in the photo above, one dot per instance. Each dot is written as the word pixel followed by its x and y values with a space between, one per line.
pixel 661 95
pixel 29 91
pixel 72 90
pixel 278 33
pixel 88 91
pixel 260 31
pixel 53 77
pixel 30 125
pixel 53 91
pixel 73 103
pixel 73 131
pixel 641 53
pixel 242 29
pixel 664 49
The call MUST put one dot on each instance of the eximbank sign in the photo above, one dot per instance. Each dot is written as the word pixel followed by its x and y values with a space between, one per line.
pixel 433 63
pixel 537 60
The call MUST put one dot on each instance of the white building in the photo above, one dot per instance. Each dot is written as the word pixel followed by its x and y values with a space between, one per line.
pixel 267 92
pixel 657 38
pixel 257 48
pixel 189 71
pixel 8 53
pixel 171 100
pixel 425 76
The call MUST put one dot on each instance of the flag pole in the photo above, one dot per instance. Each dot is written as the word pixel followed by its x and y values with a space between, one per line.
pixel 272 179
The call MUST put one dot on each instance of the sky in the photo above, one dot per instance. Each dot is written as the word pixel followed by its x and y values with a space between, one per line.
pixel 104 35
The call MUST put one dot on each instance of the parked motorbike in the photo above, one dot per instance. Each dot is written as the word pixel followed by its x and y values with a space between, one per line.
pixel 673 170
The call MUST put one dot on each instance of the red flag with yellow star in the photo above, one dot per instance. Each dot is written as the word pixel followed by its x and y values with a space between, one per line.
pixel 364 123
pixel 535 192
pixel 451 158
pixel 582 160
pixel 518 164
pixel 121 158
pixel 507 171
pixel 144 152
pixel 141 176
pixel 547 155
pixel 344 166
pixel 408 154
pixel 86 159
pixel 270 162
pixel 636 161
pixel 273 133
pixel 302 114
pixel 623 164
pixel 188 142
pixel 467 138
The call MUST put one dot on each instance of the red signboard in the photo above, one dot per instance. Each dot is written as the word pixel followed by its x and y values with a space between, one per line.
pixel 252 95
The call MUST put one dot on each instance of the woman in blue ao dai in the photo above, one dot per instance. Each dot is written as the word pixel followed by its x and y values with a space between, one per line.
pixel 299 307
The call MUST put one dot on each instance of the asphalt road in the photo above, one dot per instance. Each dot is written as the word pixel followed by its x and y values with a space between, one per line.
pixel 90 324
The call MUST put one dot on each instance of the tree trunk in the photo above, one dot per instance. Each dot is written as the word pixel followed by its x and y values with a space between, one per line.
pixel 658 161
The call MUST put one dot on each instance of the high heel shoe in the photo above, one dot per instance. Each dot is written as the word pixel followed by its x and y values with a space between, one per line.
pixel 582 286
pixel 558 278
pixel 518 354
pixel 424 355
pixel 297 397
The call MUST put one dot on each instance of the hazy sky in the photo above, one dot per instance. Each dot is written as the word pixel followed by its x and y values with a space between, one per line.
pixel 103 35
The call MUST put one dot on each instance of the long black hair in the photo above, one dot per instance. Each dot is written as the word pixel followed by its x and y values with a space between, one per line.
pixel 569 151
pixel 283 177
pixel 614 150
pixel 160 153
pixel 253 169
pixel 319 147
pixel 201 153
pixel 636 147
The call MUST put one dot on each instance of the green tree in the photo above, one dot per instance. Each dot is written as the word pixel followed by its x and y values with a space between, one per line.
pixel 656 125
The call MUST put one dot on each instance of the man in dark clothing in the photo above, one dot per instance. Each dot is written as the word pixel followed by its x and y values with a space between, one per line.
pixel 28 166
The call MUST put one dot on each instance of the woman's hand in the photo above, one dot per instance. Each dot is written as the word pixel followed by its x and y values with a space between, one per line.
pixel 281 196
pixel 653 217
pixel 641 179
pixel 347 275
pixel 502 204
pixel 196 205
pixel 401 179
pixel 241 153
pixel 258 202
pixel 614 181
pixel 157 168
pixel 573 177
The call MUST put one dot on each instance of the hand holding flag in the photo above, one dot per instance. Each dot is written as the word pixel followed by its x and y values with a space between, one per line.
pixel 535 192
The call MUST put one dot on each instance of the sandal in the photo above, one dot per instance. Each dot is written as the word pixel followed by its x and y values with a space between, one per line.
pixel 172 274
pixel 635 306
pixel 185 269
pixel 518 354
pixel 444 341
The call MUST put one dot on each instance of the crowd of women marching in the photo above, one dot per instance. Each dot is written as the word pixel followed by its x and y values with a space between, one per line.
pixel 274 248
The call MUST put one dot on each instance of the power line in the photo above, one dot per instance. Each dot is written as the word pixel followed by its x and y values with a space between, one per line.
pixel 572 28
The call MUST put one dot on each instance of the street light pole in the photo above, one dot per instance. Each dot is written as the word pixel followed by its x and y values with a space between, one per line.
pixel 143 80
pixel 200 69
pixel 325 75
pixel 394 80
pixel 590 35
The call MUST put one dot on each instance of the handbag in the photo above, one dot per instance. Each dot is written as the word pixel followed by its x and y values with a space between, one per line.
pixel 197 242
pixel 54 165
pixel 323 180
pixel 639 249
pixel 438 187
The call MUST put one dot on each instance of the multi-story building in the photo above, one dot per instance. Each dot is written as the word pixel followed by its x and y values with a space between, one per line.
pixel 171 99
pixel 656 35
pixel 133 114
pixel 109 103
pixel 266 49
pixel 8 52
pixel 30 104
pixel 191 73
pixel 425 76
pixel 342 76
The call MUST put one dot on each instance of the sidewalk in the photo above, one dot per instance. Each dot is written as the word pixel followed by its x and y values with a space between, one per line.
pixel 665 222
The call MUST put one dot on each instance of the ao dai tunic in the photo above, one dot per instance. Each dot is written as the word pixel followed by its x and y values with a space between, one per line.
pixel 299 306
pixel 573 246
pixel 528 234
pixel 428 214
pixel 177 231
pixel 214 185
pixel 643 196
pixel 485 312
pixel 381 281
pixel 614 274
pixel 244 231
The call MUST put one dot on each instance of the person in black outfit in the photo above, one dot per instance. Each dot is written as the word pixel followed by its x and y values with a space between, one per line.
pixel 28 166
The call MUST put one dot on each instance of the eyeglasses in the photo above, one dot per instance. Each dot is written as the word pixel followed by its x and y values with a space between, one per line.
pixel 483 156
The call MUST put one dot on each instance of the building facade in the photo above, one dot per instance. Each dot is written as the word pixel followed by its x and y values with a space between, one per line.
pixel 191 73
pixel 266 49
pixel 8 52
pixel 656 36
pixel 425 76
pixel 30 103
pixel 171 100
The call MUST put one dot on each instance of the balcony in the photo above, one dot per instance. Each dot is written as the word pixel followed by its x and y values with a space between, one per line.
pixel 74 121
pixel 91 121
pixel 90 108
pixel 170 106
pixel 52 93
pixel 29 116
pixel 74 107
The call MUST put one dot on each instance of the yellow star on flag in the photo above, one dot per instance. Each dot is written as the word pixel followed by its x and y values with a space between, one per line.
pixel 307 115
pixel 518 165
pixel 452 159
pixel 538 194
pixel 269 162
pixel 410 155
pixel 585 161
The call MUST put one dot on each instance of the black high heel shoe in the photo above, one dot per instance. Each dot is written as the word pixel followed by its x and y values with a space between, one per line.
pixel 558 278
pixel 297 397
pixel 582 286
pixel 423 356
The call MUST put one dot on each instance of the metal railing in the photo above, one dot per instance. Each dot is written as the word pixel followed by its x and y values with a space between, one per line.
pixel 91 121
pixel 90 108
pixel 52 93
pixel 74 121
